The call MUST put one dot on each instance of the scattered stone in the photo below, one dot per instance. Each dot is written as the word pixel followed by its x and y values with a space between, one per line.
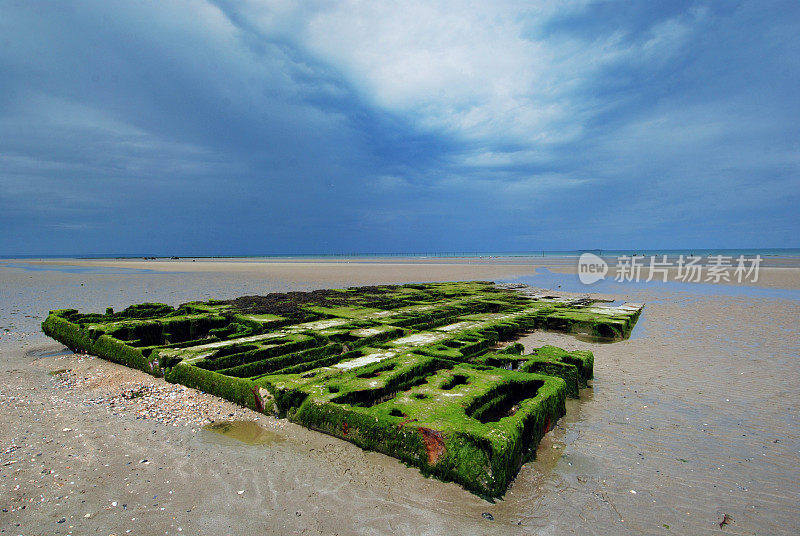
pixel 726 520
pixel 173 405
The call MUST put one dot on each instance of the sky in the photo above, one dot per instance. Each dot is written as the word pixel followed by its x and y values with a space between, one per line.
pixel 275 127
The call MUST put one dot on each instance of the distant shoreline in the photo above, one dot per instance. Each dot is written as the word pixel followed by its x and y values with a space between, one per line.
pixel 775 272
pixel 548 254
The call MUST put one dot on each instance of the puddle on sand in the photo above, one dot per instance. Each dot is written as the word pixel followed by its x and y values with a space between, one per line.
pixel 583 337
pixel 247 432
pixel 548 452
pixel 38 354
pixel 551 448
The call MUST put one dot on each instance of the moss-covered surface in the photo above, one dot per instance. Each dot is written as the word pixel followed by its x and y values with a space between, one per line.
pixel 413 371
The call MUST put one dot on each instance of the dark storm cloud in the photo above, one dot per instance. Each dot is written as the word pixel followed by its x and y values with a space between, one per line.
pixel 238 127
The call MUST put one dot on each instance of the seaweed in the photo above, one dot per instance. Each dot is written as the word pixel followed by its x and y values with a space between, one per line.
pixel 408 370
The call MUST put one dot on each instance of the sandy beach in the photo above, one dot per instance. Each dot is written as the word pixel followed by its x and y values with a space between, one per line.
pixel 691 422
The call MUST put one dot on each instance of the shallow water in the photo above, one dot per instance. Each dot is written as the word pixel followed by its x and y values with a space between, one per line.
pixel 67 269
pixel 247 432
pixel 585 337
pixel 56 353
pixel 547 279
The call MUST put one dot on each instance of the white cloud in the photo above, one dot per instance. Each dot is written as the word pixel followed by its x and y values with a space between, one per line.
pixel 463 68
pixel 487 73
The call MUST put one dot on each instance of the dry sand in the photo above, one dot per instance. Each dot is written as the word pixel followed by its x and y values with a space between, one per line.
pixel 693 418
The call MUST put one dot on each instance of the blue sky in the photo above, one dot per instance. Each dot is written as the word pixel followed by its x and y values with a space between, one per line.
pixel 257 127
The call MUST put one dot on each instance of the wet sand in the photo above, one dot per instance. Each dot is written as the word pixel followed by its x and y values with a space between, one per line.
pixel 693 418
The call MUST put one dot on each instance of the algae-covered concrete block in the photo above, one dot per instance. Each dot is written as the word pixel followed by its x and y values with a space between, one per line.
pixel 413 371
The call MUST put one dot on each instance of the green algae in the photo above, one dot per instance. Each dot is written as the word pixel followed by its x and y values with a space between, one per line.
pixel 407 370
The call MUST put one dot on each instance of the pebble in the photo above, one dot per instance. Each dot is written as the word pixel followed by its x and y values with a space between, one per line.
pixel 148 399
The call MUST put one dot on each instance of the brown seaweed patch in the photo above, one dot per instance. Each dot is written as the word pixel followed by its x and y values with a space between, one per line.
pixel 434 444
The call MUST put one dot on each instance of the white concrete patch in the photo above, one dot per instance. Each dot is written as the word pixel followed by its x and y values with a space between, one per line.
pixel 419 339
pixel 364 360
pixel 367 332
pixel 611 311
pixel 624 310
pixel 457 326
pixel 252 338
pixel 320 324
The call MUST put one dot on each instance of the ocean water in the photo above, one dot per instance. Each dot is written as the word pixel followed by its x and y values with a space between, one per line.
pixel 546 279
pixel 67 269
pixel 793 253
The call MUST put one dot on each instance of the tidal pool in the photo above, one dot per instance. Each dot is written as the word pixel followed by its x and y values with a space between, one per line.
pixel 248 432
